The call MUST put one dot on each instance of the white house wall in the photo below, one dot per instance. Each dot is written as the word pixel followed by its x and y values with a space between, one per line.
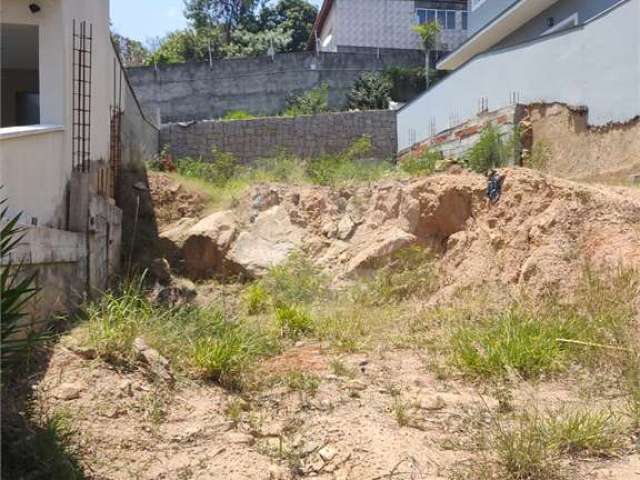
pixel 35 169
pixel 596 65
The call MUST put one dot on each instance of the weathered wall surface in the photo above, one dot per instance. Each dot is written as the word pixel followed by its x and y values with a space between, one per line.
pixel 571 148
pixel 258 85
pixel 305 136
pixel 454 142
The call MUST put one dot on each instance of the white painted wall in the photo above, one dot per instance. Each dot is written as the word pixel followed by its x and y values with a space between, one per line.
pixel 35 169
pixel 596 65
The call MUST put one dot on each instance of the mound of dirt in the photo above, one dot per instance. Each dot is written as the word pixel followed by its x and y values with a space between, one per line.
pixel 172 201
pixel 539 235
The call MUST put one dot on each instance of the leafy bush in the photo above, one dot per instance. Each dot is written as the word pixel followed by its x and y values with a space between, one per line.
pixel 423 163
pixel 238 115
pixel 314 101
pixel 405 81
pixel 372 91
pixel 488 152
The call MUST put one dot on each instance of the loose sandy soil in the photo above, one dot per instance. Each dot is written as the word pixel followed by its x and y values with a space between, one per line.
pixel 130 428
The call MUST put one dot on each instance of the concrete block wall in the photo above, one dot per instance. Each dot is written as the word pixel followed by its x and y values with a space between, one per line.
pixel 305 136
pixel 260 85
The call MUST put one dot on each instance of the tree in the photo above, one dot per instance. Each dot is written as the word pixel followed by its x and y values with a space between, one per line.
pixel 248 44
pixel 372 91
pixel 187 46
pixel 296 16
pixel 132 52
pixel 429 34
pixel 204 14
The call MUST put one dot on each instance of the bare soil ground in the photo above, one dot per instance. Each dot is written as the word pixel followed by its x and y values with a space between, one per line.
pixel 389 417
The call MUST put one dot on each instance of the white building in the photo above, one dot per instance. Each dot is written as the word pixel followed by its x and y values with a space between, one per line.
pixel 68 124
pixel 363 25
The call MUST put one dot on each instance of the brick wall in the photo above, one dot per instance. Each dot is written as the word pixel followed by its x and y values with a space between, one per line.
pixel 454 142
pixel 305 136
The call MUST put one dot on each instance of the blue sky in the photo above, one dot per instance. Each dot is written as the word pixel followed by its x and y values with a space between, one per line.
pixel 147 19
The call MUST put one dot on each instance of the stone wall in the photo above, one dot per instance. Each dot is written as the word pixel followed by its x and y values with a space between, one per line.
pixel 305 136
pixel 258 85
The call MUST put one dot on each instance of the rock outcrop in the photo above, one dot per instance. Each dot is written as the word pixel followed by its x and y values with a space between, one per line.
pixel 539 235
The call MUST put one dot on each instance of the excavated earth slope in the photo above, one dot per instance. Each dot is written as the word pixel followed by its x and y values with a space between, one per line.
pixel 539 235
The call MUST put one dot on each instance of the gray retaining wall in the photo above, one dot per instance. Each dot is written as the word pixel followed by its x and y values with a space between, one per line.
pixel 260 85
pixel 305 136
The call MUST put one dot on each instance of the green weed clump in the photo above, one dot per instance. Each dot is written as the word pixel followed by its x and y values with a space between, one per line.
pixel 238 115
pixel 222 168
pixel 534 340
pixel 352 165
pixel 292 321
pixel 297 281
pixel 312 102
pixel 199 342
pixel 423 163
pixel 410 272
pixel 533 444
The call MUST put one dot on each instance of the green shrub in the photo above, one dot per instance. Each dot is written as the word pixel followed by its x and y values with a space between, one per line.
pixel 238 115
pixel 423 163
pixel 488 152
pixel 312 102
pixel 405 82
pixel 293 321
pixel 371 91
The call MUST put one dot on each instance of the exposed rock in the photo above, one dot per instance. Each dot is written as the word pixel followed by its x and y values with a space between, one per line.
pixel 327 454
pixel 69 391
pixel 207 243
pixel 157 364
pixel 267 242
pixel 538 234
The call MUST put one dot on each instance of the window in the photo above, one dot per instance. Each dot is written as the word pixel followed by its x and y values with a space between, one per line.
pixel 20 75
pixel 465 20
pixel 445 18
pixel 451 20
